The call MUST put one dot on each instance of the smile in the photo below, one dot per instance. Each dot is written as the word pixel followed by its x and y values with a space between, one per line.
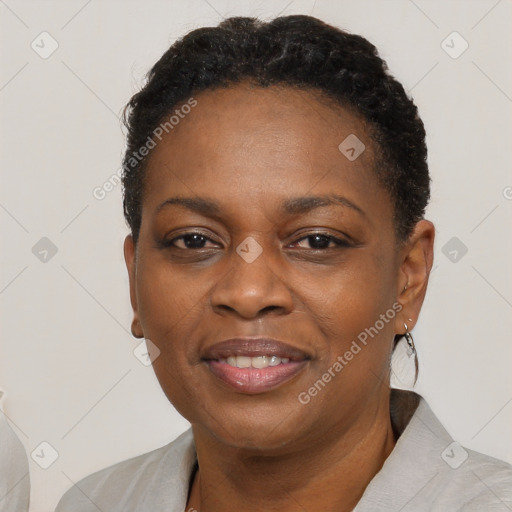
pixel 254 365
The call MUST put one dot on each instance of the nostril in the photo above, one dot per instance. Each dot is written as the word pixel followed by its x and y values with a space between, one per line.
pixel 270 308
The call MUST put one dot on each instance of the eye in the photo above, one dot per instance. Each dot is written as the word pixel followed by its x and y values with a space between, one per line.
pixel 191 240
pixel 321 241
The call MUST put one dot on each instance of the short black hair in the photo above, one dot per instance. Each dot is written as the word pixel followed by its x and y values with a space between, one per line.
pixel 297 51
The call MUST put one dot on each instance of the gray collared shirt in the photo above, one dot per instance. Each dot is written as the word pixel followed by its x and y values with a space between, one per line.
pixel 14 474
pixel 426 472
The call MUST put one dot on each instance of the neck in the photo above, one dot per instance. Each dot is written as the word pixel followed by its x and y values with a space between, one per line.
pixel 329 475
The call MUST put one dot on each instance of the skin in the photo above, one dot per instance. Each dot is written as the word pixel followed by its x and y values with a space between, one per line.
pixel 250 149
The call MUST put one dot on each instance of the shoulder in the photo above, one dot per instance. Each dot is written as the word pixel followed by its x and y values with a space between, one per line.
pixel 480 482
pixel 14 471
pixel 465 480
pixel 462 479
pixel 132 484
pixel 429 471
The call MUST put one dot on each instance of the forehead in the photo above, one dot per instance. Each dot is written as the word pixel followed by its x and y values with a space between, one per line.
pixel 263 144
pixel 264 119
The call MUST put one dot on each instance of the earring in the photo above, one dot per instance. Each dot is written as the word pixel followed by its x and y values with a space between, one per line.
pixel 411 349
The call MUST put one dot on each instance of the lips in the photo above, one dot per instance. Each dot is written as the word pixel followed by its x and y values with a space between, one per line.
pixel 254 365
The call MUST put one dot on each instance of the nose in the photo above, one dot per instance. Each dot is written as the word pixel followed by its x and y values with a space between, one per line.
pixel 252 289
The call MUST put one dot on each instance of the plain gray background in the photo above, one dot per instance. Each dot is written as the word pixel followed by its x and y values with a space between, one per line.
pixel 67 363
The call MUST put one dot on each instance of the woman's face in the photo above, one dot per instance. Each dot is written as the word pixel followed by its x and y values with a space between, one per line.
pixel 252 257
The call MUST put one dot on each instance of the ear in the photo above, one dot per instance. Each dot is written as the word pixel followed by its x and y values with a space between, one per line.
pixel 131 265
pixel 415 263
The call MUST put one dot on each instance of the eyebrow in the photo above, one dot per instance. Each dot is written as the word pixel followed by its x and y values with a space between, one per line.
pixel 205 207
pixel 294 206
pixel 300 205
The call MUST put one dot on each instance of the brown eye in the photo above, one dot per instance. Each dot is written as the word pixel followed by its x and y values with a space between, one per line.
pixel 192 240
pixel 320 241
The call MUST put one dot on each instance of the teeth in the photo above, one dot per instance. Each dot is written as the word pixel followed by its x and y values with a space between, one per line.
pixel 255 362
pixel 243 361
pixel 274 361
pixel 260 362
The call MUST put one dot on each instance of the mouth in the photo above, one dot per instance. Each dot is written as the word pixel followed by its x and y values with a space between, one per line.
pixel 254 365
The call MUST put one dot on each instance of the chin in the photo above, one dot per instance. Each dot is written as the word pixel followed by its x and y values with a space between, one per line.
pixel 261 429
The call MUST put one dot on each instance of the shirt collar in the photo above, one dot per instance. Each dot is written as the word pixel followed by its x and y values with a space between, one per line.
pixel 415 464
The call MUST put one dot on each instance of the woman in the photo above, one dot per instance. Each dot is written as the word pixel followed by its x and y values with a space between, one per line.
pixel 275 185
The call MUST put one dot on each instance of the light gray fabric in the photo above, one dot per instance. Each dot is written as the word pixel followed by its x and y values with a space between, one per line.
pixel 416 477
pixel 14 476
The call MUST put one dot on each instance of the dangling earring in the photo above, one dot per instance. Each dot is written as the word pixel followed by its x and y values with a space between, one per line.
pixel 402 376
pixel 411 348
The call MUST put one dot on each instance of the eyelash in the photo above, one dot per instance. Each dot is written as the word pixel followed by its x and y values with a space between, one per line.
pixel 340 243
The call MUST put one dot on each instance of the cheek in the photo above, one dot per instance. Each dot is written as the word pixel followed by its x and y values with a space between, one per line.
pixel 170 309
pixel 352 296
pixel 165 294
pixel 170 305
pixel 352 308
